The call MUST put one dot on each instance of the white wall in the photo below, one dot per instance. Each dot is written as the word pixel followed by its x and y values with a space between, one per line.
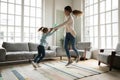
pixel 50 7
pixel 59 6
pixel 78 22
pixel 48 10
pixel 76 4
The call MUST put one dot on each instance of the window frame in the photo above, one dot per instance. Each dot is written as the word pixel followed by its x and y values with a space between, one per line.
pixel 99 33
pixel 21 18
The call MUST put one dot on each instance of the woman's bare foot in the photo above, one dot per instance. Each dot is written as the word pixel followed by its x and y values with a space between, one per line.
pixel 69 62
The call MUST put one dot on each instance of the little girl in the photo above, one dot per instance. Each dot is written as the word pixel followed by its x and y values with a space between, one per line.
pixel 41 48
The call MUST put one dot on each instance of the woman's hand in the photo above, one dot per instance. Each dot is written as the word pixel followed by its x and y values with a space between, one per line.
pixel 51 29
pixel 55 28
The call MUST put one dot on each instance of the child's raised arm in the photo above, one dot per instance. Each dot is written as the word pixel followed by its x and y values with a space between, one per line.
pixel 51 31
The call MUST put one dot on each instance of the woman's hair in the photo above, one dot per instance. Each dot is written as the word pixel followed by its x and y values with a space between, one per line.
pixel 75 12
pixel 68 8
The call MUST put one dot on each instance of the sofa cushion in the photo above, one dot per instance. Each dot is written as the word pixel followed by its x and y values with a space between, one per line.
pixel 72 52
pixel 83 45
pixel 33 46
pixel 12 47
pixel 21 55
pixel 48 53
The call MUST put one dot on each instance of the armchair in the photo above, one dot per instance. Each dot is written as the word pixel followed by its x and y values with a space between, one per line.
pixel 110 57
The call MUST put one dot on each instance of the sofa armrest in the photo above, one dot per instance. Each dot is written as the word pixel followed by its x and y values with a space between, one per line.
pixel 2 54
pixel 103 50
pixel 60 52
pixel 87 48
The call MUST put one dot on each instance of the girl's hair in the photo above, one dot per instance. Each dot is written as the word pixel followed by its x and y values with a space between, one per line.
pixel 75 12
pixel 40 29
pixel 43 29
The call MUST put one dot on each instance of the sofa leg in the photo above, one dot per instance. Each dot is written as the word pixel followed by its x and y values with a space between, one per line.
pixel 99 63
pixel 82 58
pixel 75 58
pixel 29 60
pixel 110 68
pixel 60 57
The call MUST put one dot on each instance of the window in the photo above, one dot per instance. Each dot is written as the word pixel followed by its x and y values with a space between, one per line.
pixel 20 20
pixel 32 19
pixel 101 23
pixel 91 22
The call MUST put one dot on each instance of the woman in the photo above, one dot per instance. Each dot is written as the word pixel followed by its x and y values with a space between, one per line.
pixel 70 32
pixel 41 50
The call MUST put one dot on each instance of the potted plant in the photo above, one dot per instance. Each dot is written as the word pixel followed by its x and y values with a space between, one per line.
pixel 62 42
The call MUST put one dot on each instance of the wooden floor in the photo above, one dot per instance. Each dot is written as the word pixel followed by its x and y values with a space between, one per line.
pixel 111 75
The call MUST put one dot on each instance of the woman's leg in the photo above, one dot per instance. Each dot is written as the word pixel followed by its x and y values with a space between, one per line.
pixel 72 40
pixel 66 47
pixel 73 46
pixel 67 50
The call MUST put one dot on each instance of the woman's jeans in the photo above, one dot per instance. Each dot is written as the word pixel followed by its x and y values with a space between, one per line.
pixel 41 54
pixel 70 39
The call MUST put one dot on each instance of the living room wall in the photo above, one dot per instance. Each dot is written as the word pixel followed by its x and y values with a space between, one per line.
pixel 49 14
pixel 78 22
pixel 48 9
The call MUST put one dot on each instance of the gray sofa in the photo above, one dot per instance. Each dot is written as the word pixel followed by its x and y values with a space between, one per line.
pixel 22 51
pixel 84 49
pixel 27 51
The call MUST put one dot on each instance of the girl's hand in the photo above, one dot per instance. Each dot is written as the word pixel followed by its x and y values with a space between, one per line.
pixel 50 29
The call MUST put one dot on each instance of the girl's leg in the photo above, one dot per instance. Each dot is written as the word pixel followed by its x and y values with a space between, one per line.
pixel 38 55
pixel 42 49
